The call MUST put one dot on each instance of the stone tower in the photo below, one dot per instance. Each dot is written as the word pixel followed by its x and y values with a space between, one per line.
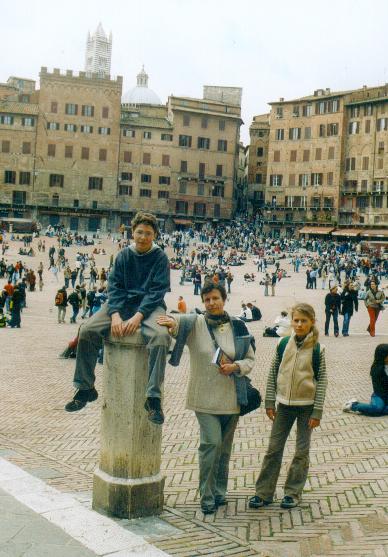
pixel 98 52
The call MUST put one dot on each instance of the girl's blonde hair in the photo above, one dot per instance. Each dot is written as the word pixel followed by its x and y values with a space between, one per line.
pixel 309 312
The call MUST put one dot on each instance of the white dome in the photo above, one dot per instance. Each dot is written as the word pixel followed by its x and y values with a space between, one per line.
pixel 141 94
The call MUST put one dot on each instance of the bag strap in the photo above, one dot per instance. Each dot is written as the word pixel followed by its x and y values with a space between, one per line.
pixel 212 335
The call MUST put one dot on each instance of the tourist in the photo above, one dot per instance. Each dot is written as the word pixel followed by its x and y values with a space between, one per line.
pixel 229 280
pixel 374 302
pixel 296 388
pixel 139 280
pixel 281 326
pixel 378 405
pixel 74 299
pixel 211 393
pixel 332 308
pixel 349 302
pixel 61 304
pixel 273 283
pixel 182 307
pixel 256 313
pixel 245 313
pixel 16 308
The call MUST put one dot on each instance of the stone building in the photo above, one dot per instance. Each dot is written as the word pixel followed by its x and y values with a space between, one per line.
pixel 98 52
pixel 257 162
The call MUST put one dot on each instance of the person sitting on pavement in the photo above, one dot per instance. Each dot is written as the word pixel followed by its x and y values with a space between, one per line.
pixel 245 313
pixel 256 313
pixel 281 327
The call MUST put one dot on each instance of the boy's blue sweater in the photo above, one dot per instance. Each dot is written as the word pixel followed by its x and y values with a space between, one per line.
pixel 138 282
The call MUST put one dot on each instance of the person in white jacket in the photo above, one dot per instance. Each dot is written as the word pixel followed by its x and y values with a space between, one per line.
pixel 281 328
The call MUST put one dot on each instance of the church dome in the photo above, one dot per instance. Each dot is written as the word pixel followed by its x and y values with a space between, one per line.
pixel 141 94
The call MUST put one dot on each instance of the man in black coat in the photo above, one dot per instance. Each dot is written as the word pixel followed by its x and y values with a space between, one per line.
pixel 332 308
pixel 349 302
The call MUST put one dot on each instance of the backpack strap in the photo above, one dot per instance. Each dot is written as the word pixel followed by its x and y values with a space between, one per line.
pixel 282 346
pixel 316 354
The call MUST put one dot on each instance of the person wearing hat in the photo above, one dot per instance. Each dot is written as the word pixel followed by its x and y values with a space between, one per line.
pixel 332 308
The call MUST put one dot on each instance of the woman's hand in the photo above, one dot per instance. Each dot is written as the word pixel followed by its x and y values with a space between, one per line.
pixel 314 422
pixel 271 413
pixel 227 369
pixel 166 321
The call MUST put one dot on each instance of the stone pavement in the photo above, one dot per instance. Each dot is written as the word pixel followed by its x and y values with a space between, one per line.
pixel 344 509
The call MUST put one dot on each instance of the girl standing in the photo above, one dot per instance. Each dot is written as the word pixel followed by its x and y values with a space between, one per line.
pixel 297 383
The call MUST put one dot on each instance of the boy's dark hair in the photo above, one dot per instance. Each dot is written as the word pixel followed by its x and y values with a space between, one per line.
pixel 209 286
pixel 145 218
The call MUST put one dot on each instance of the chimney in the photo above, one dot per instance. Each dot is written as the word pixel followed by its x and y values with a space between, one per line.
pixel 281 99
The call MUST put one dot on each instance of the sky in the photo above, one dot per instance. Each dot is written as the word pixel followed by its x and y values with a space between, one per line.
pixel 271 49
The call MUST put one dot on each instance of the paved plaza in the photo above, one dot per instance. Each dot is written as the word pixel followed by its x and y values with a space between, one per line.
pixel 345 505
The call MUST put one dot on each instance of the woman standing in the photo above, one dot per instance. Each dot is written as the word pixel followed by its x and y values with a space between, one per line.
pixel 212 390
pixel 374 303
pixel 349 302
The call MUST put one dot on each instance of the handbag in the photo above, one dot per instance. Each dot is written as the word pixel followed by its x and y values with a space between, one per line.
pixel 253 394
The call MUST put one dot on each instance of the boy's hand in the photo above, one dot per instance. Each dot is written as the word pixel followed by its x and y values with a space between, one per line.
pixel 166 321
pixel 116 326
pixel 130 326
pixel 314 422
pixel 271 413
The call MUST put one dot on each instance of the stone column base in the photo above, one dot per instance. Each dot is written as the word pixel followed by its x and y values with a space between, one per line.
pixel 128 498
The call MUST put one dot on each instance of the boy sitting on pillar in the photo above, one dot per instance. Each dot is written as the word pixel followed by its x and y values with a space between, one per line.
pixel 137 285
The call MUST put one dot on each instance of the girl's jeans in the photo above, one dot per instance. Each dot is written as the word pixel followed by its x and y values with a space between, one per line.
pixel 376 407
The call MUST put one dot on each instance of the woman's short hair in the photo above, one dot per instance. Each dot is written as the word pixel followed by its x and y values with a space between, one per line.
pixel 209 286
pixel 145 218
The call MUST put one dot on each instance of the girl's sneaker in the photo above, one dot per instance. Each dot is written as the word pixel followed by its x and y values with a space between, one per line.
pixel 348 405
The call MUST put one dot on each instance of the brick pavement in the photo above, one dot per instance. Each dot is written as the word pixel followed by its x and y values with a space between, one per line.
pixel 346 500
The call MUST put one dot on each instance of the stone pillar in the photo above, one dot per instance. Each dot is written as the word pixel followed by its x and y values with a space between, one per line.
pixel 128 482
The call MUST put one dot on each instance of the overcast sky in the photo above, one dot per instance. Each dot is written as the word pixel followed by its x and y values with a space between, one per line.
pixel 271 49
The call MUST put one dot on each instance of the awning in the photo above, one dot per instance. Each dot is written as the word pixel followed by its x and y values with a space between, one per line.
pixel 347 232
pixel 380 232
pixel 183 221
pixel 316 230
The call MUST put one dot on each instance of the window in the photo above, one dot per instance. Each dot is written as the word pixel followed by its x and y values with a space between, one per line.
pixel 201 188
pixel 147 135
pixel 85 153
pixel 52 126
pixel 185 141
pixel 129 133
pixel 354 127
pixel 365 163
pixel 260 152
pixel 183 166
pixel 218 190
pixel 306 155
pixel 87 110
pixel 221 125
pixel 219 170
pixel 382 124
pixel 222 145
pixel 355 112
pixel 316 179
pixel 318 154
pixel 294 133
pixel 56 180
pixel 181 207
pixel 146 178
pixel 8 120
pixel 204 123
pixel 330 178
pixel 26 148
pixel 381 147
pixel 276 179
pixel 291 180
pixel 164 180
pixel 125 190
pixel 94 204
pixel 303 180
pixel 102 155
pixel 279 134
pixel 200 209
pixel 368 110
pixel 330 154
pixel 201 169
pixel 71 109
pixel 68 151
pixel 322 130
pixel 307 110
pixel 146 158
pixel 145 193
pixel 127 156
pixel 54 107
pixel 95 183
pixel 183 186
pixel 321 106
pixel 166 137
pixel 203 143
pixel 6 146
pixel 105 112
pixel 165 160
pixel 377 202
pixel 186 120
pixel 55 200
pixel 307 133
pixel 259 179
pixel 19 197
pixel 295 111
pixel 73 128
pixel 162 194
pixel 217 210
pixel 276 156
pixel 350 163
pixel 367 126
pixel 332 129
pixel 104 131
pixel 126 176
pixel 380 163
pixel 24 178
pixel 292 155
pixel 335 105
pixel 279 112
pixel 76 203
pixel 51 150
pixel 28 122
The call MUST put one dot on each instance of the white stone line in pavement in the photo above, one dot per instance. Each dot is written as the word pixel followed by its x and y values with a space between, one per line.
pixel 98 533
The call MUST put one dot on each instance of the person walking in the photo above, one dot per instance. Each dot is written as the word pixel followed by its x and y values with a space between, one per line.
pixel 267 281
pixel 197 282
pixel 332 308
pixel 273 283
pixel 212 390
pixel 61 304
pixel 229 280
pixel 374 302
pixel 74 300
pixel 16 308
pixel 349 302
pixel 296 389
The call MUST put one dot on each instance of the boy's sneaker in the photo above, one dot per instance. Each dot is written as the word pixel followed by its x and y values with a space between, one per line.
pixel 257 502
pixel 154 409
pixel 288 502
pixel 348 405
pixel 81 398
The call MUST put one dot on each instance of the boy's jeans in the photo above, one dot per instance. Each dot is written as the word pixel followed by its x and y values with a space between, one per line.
pixel 345 324
pixel 90 341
